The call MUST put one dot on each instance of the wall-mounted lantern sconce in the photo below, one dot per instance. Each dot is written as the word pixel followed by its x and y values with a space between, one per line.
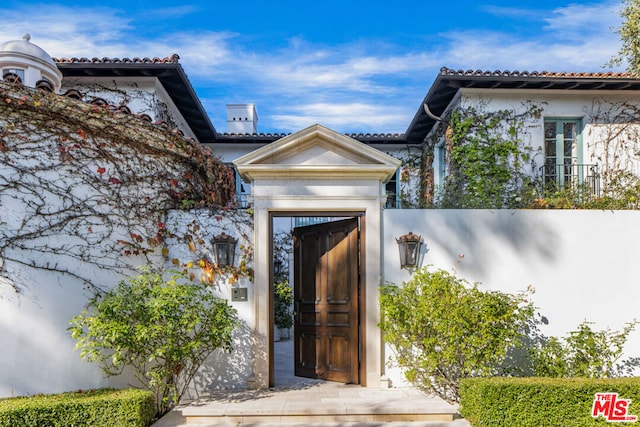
pixel 224 249
pixel 410 246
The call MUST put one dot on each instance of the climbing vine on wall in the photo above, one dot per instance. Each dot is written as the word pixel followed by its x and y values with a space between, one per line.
pixel 409 179
pixel 131 94
pixel 613 134
pixel 489 164
pixel 192 249
pixel 84 188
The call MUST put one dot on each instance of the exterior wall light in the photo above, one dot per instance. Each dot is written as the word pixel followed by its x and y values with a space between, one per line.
pixel 224 249
pixel 410 246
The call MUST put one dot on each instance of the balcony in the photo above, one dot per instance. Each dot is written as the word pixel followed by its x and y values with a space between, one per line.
pixel 583 177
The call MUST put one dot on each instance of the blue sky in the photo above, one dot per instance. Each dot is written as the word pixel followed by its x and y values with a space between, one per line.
pixel 354 66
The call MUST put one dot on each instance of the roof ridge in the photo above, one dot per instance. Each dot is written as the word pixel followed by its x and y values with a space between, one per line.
pixel 173 59
pixel 444 71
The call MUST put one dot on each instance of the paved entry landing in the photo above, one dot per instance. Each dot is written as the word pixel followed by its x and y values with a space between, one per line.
pixel 302 401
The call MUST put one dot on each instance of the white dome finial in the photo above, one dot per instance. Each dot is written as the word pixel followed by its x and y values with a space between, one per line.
pixel 35 63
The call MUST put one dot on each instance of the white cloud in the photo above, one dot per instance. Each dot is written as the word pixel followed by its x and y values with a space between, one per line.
pixel 310 69
pixel 579 21
pixel 571 38
pixel 207 54
pixel 171 12
pixel 63 31
pixel 512 12
pixel 358 117
pixel 491 51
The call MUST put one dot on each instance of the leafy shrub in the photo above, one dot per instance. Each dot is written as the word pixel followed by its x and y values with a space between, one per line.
pixel 540 402
pixel 282 300
pixel 443 329
pixel 163 329
pixel 584 353
pixel 95 408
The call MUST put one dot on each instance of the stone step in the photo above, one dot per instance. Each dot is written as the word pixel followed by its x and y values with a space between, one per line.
pixel 175 419
pixel 319 419
pixel 457 423
pixel 328 405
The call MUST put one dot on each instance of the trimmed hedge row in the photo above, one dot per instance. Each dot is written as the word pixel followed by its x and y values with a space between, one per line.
pixel 541 402
pixel 94 408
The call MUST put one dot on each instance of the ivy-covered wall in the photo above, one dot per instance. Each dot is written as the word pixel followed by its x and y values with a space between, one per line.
pixel 84 193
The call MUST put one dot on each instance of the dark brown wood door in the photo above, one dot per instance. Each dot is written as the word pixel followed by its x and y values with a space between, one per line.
pixel 326 284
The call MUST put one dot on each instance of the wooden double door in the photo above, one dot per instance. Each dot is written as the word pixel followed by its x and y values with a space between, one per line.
pixel 327 301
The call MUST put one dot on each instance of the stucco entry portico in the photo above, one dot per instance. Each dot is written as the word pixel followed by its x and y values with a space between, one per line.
pixel 317 170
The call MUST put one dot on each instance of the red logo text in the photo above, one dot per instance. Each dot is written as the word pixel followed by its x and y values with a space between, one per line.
pixel 612 408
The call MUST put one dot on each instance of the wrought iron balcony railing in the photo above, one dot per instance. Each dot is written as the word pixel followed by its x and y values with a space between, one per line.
pixel 572 175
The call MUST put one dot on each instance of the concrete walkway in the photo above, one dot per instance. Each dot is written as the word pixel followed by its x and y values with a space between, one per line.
pixel 301 402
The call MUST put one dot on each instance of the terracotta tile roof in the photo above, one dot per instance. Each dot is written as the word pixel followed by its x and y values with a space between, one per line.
pixel 444 71
pixel 253 135
pixel 173 59
pixel 375 135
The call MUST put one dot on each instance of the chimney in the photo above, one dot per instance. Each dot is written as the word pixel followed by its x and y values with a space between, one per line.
pixel 242 118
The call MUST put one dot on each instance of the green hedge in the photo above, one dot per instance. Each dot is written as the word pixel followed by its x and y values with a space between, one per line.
pixel 541 402
pixel 95 408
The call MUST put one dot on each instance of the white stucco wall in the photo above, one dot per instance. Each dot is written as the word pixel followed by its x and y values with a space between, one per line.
pixel 408 186
pixel 581 263
pixel 38 354
pixel 228 152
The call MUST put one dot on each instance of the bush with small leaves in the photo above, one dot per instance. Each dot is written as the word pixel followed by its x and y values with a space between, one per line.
pixel 443 329
pixel 164 329
pixel 584 353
